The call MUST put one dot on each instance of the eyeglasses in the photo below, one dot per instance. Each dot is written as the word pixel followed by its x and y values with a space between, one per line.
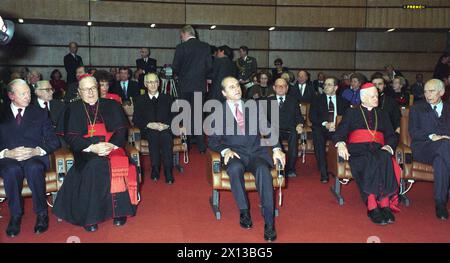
pixel 88 90
pixel 47 90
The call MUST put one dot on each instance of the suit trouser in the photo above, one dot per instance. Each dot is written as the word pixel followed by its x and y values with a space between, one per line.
pixel 13 172
pixel 161 143
pixel 292 153
pixel 189 97
pixel 437 153
pixel 320 137
pixel 264 185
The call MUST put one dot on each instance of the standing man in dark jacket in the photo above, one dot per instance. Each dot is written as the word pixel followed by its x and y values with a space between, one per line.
pixel 223 66
pixel 192 63
pixel 145 65
pixel 72 61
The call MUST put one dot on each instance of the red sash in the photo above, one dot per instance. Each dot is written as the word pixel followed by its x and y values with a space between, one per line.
pixel 123 174
pixel 364 136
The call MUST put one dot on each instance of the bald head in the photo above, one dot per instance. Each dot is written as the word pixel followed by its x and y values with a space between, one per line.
pixel 280 87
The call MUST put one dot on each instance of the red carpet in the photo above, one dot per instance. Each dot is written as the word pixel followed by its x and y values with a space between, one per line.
pixel 181 213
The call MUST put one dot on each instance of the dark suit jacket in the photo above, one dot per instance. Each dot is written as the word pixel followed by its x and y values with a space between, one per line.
pixel 422 123
pixel 245 145
pixel 290 115
pixel 308 94
pixel 71 93
pixel 150 66
pixel 246 68
pixel 71 64
pixel 222 67
pixel 391 107
pixel 56 110
pixel 318 112
pixel 145 111
pixel 36 130
pixel 132 90
pixel 192 63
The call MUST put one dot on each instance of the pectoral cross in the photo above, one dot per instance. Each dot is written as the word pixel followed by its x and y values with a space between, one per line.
pixel 92 131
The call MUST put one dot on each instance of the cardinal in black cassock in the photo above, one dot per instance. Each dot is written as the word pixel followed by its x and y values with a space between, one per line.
pixel 366 138
pixel 102 184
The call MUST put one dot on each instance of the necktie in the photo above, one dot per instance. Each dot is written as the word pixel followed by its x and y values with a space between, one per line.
pixel 330 110
pixel 301 89
pixel 46 105
pixel 19 117
pixel 281 102
pixel 240 118
pixel 435 111
pixel 124 88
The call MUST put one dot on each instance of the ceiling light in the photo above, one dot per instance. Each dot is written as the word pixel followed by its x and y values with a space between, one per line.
pixel 271 28
pixel 330 29
pixel 20 20
pixel 153 25
pixel 89 23
pixel 390 30
pixel 213 27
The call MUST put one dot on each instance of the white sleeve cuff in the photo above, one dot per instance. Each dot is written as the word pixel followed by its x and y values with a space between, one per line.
pixel 2 153
pixel 338 143
pixel 431 136
pixel 224 151
pixel 324 124
pixel 88 149
pixel 275 149
pixel 390 149
pixel 42 151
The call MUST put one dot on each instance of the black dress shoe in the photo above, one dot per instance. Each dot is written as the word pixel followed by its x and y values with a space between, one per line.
pixel 155 179
pixel 441 212
pixel 120 221
pixel 13 228
pixel 170 181
pixel 291 174
pixel 91 228
pixel 245 220
pixel 388 215
pixel 269 233
pixel 377 217
pixel 41 224
pixel 324 178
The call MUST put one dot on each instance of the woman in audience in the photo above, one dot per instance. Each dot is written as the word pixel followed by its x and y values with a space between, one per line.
pixel 261 90
pixel 58 84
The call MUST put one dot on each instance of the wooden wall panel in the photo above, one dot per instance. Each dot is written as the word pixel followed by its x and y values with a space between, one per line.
pixel 236 38
pixel 323 2
pixel 321 17
pixel 230 15
pixel 401 41
pixel 400 18
pixel 134 37
pixel 77 10
pixel 51 34
pixel 315 60
pixel 400 3
pixel 234 2
pixel 404 62
pixel 138 12
pixel 312 40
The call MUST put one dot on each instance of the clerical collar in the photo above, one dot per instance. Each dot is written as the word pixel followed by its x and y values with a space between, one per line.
pixel 366 107
pixel 156 95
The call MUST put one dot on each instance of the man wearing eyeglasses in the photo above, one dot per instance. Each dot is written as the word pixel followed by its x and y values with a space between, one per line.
pixel 44 99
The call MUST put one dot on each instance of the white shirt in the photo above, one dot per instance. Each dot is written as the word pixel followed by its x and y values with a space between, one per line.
pixel 156 95
pixel 333 99
pixel 439 108
pixel 41 103
pixel 145 60
pixel 278 99
pixel 302 88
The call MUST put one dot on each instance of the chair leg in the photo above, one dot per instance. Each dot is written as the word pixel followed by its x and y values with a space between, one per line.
pixel 176 162
pixel 403 198
pixel 336 190
pixel 214 201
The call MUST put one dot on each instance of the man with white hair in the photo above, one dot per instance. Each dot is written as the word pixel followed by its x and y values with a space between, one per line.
pixel 366 139
pixel 102 184
pixel 429 127
pixel 44 92
pixel 26 139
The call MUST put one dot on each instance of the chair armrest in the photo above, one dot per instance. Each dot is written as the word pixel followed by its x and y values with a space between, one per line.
pixel 60 157
pixel 134 154
pixel 405 152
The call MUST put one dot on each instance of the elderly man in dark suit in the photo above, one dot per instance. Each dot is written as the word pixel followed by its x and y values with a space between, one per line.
pixel 322 114
pixel 192 63
pixel 44 100
pixel 71 62
pixel 429 127
pixel 302 89
pixel 26 139
pixel 243 150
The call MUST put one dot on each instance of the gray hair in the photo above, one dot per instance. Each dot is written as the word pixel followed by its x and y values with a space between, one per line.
pixel 188 29
pixel 85 78
pixel 15 82
pixel 437 83
pixel 41 83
